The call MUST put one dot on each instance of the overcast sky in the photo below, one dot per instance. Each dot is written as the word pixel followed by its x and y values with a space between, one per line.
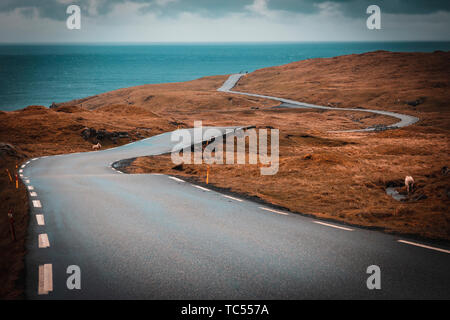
pixel 27 21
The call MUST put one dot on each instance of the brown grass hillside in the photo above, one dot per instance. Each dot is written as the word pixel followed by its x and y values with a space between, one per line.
pixel 342 176
pixel 338 176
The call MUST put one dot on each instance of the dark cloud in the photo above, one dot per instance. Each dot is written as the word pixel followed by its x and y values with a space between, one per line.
pixel 54 9
pixel 358 7
pixel 45 8
pixel 211 8
pixel 355 7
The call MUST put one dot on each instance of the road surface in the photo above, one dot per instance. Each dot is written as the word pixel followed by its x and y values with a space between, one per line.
pixel 405 120
pixel 149 236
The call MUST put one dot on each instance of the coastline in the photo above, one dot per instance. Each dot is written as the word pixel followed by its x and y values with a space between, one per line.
pixel 338 176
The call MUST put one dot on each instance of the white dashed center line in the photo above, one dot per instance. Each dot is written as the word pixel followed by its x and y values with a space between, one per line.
pixel 45 279
pixel 333 226
pixel 33 194
pixel 27 181
pixel 424 246
pixel 40 219
pixel 176 179
pixel 20 171
pixel 30 188
pixel 275 211
pixel 201 188
pixel 232 198
pixel 37 204
pixel 43 241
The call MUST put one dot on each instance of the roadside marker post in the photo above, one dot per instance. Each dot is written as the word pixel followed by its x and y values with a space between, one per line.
pixel 9 175
pixel 207 174
pixel 11 225
pixel 17 181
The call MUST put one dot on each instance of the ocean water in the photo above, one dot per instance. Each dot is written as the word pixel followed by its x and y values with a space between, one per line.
pixel 42 74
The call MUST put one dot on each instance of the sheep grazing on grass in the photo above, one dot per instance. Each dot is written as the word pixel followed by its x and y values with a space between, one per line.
pixel 409 183
pixel 96 146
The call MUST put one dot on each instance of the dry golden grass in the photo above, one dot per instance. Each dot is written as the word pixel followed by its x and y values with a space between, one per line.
pixel 12 252
pixel 343 176
pixel 343 179
pixel 339 176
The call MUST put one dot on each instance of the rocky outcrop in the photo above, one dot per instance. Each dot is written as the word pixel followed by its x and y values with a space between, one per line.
pixel 415 103
pixel 8 150
pixel 380 127
pixel 53 106
pixel 103 135
pixel 88 133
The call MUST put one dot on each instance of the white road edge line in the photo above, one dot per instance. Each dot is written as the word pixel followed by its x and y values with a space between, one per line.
pixel 176 179
pixel 45 284
pixel 37 204
pixel 201 188
pixel 33 194
pixel 333 226
pixel 276 211
pixel 424 246
pixel 232 198
pixel 27 181
pixel 30 188
pixel 20 171
pixel 43 241
pixel 40 219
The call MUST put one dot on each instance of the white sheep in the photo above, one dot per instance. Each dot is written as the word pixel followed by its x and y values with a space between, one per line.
pixel 409 183
pixel 96 146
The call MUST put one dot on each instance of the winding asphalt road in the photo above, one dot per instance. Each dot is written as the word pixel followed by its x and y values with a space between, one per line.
pixel 405 120
pixel 149 236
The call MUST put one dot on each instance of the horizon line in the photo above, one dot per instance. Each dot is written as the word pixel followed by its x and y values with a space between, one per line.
pixel 218 42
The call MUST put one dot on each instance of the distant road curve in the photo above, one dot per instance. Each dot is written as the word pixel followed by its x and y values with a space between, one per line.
pixel 405 120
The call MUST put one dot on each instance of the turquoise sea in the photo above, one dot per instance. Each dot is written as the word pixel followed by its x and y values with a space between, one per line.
pixel 42 74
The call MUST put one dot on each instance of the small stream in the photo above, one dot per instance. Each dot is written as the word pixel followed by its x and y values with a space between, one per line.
pixel 395 194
